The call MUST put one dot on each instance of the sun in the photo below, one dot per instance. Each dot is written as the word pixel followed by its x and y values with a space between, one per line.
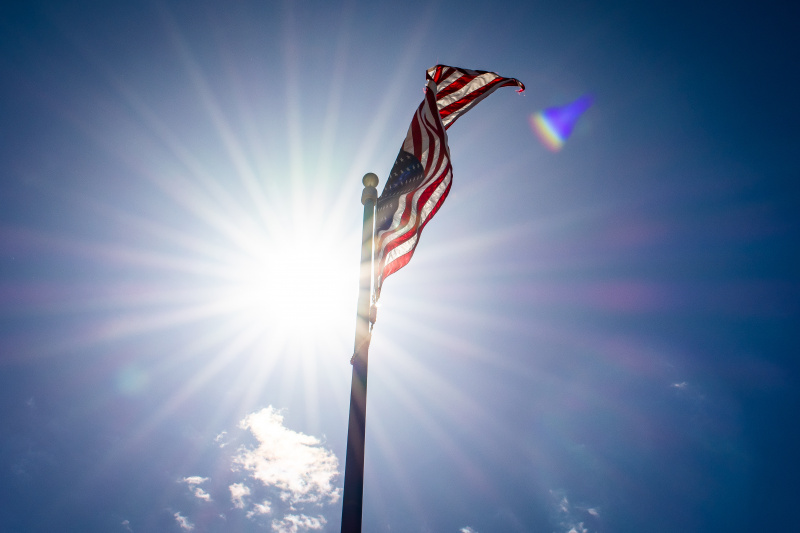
pixel 300 285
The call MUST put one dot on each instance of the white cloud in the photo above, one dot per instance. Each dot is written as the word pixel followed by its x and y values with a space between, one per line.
pixel 294 472
pixel 193 481
pixel 563 505
pixel 219 437
pixel 127 525
pixel 681 385
pixel 467 530
pixel 578 528
pixel 260 508
pixel 568 516
pixel 203 495
pixel 294 463
pixel 238 492
pixel 183 522
pixel 294 523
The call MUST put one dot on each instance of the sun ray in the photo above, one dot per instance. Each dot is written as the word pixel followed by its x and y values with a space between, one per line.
pixel 431 403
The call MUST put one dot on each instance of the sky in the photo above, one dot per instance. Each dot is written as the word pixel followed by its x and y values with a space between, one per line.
pixel 597 339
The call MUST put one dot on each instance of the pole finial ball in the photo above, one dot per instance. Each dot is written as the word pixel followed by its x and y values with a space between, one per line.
pixel 370 180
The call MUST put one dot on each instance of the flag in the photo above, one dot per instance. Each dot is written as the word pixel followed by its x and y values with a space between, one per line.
pixel 422 174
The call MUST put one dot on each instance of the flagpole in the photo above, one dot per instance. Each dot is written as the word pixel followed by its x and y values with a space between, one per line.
pixel 354 461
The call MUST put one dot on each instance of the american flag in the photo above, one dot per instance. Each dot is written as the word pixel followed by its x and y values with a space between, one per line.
pixel 422 174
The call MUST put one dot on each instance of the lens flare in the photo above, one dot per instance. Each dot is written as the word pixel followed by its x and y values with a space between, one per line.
pixel 554 125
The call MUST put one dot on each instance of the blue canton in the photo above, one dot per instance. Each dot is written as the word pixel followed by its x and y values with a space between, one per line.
pixel 406 172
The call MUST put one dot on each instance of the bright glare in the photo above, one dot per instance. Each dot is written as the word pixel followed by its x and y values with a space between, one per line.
pixel 297 286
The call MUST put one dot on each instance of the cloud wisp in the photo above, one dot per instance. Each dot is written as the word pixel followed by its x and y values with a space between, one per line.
pixel 281 479
pixel 294 523
pixel 238 493
pixel 572 518
pixel 199 492
pixel 183 522
pixel 294 463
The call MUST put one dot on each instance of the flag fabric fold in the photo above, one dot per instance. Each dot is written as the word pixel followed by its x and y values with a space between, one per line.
pixel 422 173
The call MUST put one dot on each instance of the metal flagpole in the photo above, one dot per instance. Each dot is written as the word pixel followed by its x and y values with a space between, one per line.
pixel 354 460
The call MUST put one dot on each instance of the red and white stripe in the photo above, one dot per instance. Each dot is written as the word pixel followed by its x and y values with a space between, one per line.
pixel 451 92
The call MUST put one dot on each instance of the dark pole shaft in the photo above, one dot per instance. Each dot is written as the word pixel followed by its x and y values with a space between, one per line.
pixel 354 461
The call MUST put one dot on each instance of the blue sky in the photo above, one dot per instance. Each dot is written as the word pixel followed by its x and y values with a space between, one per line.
pixel 601 339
